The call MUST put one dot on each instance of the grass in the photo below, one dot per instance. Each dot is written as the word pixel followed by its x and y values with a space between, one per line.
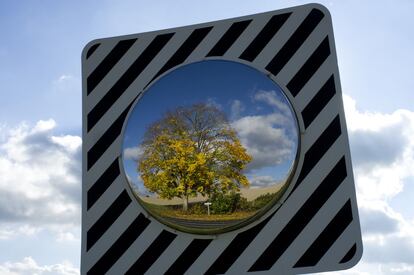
pixel 197 211
pixel 174 212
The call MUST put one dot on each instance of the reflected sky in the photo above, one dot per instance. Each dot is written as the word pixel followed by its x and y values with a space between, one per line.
pixel 254 105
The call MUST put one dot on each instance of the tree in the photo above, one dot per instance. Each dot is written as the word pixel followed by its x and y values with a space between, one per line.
pixel 192 150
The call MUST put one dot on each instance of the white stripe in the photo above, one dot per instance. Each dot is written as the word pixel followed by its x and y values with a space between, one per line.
pixel 321 122
pixel 90 64
pixel 280 39
pixel 288 209
pixel 209 255
pixel 170 255
pixel 116 72
pixel 338 250
pixel 249 34
pixel 104 201
pixel 111 235
pixel 137 85
pixel 314 228
pixel 102 163
pixel 314 84
pixel 136 249
pixel 303 53
pixel 207 43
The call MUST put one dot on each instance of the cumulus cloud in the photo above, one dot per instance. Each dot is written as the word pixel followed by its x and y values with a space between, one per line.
pixel 64 77
pixel 28 266
pixel 367 268
pixel 269 138
pixel 267 143
pixel 382 151
pixel 133 153
pixel 213 103
pixel 65 84
pixel 378 220
pixel 236 108
pixel 262 181
pixel 40 180
pixel 9 232
pixel 271 98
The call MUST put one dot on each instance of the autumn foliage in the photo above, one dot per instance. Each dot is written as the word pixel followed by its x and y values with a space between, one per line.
pixel 192 150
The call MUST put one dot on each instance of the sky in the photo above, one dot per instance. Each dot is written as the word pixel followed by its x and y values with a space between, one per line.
pixel 255 106
pixel 40 118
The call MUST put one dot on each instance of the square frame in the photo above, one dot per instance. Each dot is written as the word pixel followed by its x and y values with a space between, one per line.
pixel 316 228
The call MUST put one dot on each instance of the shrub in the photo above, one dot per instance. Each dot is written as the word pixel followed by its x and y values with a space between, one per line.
pixel 243 205
pixel 262 200
pixel 228 203
pixel 197 208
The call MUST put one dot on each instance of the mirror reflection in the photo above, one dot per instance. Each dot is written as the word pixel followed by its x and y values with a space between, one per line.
pixel 210 146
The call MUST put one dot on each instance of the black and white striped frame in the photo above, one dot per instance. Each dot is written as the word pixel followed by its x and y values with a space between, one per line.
pixel 317 226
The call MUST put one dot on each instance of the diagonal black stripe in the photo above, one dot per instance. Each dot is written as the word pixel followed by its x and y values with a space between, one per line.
pixel 108 63
pixel 349 255
pixel 264 36
pixel 185 49
pixel 235 249
pixel 152 253
pixel 319 101
pixel 92 49
pixel 305 214
pixel 99 148
pixel 228 38
pixel 295 41
pixel 103 182
pixel 120 246
pixel 309 68
pixel 107 219
pixel 126 79
pixel 188 257
pixel 327 237
pixel 320 147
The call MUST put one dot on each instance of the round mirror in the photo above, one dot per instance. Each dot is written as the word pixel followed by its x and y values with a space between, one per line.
pixel 210 146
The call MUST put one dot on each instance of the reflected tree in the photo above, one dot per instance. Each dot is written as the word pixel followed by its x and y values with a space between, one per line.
pixel 192 150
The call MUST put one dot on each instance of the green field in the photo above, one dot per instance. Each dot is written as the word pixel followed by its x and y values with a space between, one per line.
pixel 172 211
pixel 224 208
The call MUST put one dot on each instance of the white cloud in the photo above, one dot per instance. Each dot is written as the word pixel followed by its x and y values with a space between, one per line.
pixel 64 77
pixel 28 266
pixel 270 97
pixel 236 108
pixel 9 232
pixel 133 153
pixel 65 84
pixel 40 180
pixel 382 150
pixel 70 143
pixel 213 103
pixel 378 218
pixel 265 139
pixel 262 181
pixel 67 236
pixel 365 268
pixel 269 138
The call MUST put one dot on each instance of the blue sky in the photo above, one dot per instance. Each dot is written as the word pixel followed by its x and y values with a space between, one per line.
pixel 40 118
pixel 243 94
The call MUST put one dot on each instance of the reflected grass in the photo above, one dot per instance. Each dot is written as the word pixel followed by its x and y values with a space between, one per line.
pixel 196 220
pixel 171 211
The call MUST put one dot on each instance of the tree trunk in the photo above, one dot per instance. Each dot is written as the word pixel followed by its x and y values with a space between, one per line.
pixel 185 203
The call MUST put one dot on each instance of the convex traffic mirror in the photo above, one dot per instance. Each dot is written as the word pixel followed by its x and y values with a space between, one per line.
pixel 190 131
pixel 210 146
